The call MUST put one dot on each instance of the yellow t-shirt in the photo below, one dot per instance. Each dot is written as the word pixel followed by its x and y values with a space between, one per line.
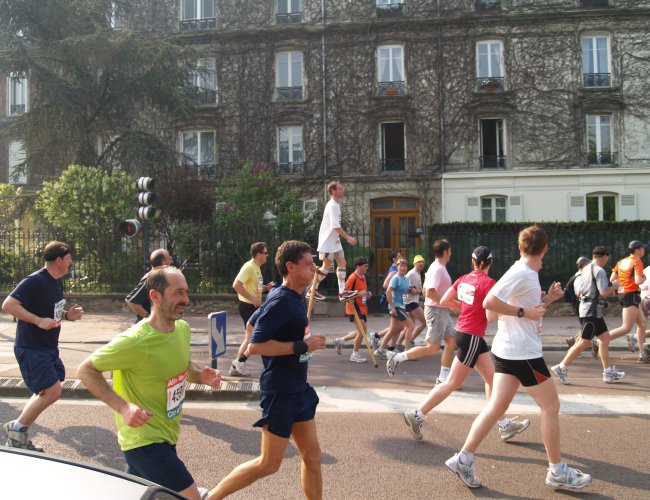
pixel 251 277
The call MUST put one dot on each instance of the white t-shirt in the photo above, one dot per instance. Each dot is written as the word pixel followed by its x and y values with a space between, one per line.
pixel 645 291
pixel 518 338
pixel 437 277
pixel 414 280
pixel 328 239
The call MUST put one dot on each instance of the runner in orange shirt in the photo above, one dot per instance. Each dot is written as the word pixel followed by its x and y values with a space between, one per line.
pixel 629 273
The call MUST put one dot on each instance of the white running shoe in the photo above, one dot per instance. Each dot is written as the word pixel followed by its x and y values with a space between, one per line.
pixel 238 369
pixel 572 479
pixel 391 364
pixel 513 428
pixel 347 295
pixel 613 375
pixel 319 297
pixel 381 353
pixel 464 472
pixel 415 425
pixel 560 374
pixel 631 342
pixel 355 357
pixel 338 345
pixel 374 341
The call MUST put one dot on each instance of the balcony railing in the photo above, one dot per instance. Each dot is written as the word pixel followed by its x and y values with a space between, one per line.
pixel 594 3
pixel 390 10
pixel 492 162
pixel 393 165
pixel 15 109
pixel 597 79
pixel 290 168
pixel 208 23
pixel 487 5
pixel 205 97
pixel 391 88
pixel 602 158
pixel 288 18
pixel 490 84
pixel 288 93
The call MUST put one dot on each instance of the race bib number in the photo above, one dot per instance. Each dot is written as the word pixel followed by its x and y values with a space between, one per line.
pixel 260 284
pixel 58 310
pixel 175 395
pixel 466 293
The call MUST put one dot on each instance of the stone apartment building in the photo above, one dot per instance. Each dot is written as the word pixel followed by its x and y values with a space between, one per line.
pixel 427 110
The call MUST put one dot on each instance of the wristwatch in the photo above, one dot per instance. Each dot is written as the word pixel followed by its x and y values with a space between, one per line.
pixel 520 312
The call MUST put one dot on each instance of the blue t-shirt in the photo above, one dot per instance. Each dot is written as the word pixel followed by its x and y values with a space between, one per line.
pixel 41 295
pixel 400 286
pixel 283 318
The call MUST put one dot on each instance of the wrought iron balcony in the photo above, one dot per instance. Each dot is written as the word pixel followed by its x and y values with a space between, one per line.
pixel 391 88
pixel 288 18
pixel 208 23
pixel 490 84
pixel 15 109
pixel 205 97
pixel 393 165
pixel 597 79
pixel 492 162
pixel 390 10
pixel 288 94
pixel 487 5
pixel 602 158
pixel 594 3
pixel 290 168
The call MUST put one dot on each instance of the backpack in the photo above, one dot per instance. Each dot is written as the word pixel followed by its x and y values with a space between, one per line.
pixel 569 293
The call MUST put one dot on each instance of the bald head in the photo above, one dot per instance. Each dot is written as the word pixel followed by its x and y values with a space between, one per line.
pixel 159 258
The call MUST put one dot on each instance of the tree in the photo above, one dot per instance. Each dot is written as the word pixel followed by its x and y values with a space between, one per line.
pixel 98 96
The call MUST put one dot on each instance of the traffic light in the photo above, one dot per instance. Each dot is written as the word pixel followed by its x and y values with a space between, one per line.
pixel 145 199
pixel 129 227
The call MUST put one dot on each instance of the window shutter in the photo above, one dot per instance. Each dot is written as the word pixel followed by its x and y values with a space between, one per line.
pixel 627 206
pixel 577 207
pixel 473 209
pixel 515 209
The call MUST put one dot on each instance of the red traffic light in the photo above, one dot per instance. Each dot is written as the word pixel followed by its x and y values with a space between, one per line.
pixel 129 227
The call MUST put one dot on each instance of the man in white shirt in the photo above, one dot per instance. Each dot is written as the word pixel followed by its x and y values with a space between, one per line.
pixel 329 244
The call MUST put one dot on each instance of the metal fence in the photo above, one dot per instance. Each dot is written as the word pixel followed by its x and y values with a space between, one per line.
pixel 211 261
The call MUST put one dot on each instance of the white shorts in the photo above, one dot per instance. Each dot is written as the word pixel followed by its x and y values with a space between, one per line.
pixel 439 324
pixel 333 256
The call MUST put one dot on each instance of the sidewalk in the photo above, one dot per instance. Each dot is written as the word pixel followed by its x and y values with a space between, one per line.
pixel 101 328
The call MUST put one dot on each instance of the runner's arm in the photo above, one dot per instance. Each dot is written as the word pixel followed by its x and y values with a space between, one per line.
pixel 206 375
pixel 17 310
pixel 278 348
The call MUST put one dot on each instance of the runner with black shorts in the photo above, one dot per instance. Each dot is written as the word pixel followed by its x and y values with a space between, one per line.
pixel 517 353
pixel 467 294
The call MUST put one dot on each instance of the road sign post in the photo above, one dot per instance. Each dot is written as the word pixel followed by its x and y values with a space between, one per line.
pixel 217 336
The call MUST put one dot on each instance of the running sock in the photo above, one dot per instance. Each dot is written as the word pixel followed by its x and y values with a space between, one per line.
pixel 17 426
pixel 503 423
pixel 465 457
pixel 444 371
pixel 242 359
pixel 419 416
pixel 556 469
pixel 562 366
pixel 400 357
pixel 340 276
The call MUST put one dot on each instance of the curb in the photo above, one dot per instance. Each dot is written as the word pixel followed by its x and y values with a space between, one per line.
pixel 231 390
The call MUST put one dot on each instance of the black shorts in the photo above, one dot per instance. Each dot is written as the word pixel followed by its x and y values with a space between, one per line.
pixel 400 314
pixel 362 317
pixel 411 306
pixel 592 327
pixel 158 462
pixel 281 411
pixel 529 372
pixel 470 347
pixel 246 310
pixel 632 299
pixel 40 368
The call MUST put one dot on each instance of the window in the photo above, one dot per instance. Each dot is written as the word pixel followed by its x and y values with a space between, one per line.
pixel 197 15
pixel 289 12
pixel 599 140
pixel 489 65
pixel 492 144
pixel 288 76
pixel 390 70
pixel 199 148
pixel 493 209
pixel 392 153
pixel 290 153
pixel 487 5
pixel 117 21
pixel 16 169
pixel 204 80
pixel 595 61
pixel 17 95
pixel 390 8
pixel 601 206
pixel 594 3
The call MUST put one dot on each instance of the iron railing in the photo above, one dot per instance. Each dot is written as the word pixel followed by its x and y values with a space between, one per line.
pixel 208 23
pixel 205 97
pixel 597 79
pixel 288 93
pixel 607 158
pixel 393 165
pixel 391 88
pixel 492 162
pixel 390 10
pixel 490 84
pixel 288 18
pixel 15 109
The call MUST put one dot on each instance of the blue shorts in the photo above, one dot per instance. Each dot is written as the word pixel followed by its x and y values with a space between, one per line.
pixel 158 462
pixel 281 411
pixel 40 368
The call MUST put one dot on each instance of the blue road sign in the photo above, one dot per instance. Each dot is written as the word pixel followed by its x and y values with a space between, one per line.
pixel 217 335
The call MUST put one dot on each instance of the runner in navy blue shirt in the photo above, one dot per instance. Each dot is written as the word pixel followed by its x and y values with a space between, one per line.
pixel 281 336
pixel 38 305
